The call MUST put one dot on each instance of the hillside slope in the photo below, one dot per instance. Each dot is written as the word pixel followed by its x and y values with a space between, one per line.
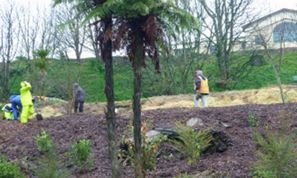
pixel 176 76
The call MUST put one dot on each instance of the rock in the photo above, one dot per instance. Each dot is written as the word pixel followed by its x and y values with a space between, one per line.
pixel 224 124
pixel 194 122
pixel 151 134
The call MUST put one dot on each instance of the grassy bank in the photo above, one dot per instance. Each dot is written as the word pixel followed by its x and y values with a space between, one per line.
pixel 175 78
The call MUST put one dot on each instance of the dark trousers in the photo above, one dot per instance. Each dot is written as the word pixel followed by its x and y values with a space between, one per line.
pixel 78 105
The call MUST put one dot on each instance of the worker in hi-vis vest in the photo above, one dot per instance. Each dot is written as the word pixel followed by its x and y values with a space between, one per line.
pixel 7 111
pixel 27 102
pixel 201 89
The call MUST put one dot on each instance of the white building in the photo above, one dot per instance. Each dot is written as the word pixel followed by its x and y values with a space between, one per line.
pixel 275 30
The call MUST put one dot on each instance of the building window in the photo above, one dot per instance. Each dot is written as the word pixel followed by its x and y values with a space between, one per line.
pixel 259 40
pixel 285 32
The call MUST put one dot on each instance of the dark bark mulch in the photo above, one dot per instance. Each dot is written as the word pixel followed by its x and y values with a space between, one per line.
pixel 17 141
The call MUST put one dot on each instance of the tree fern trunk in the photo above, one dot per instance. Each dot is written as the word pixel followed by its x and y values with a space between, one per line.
pixel 109 92
pixel 137 66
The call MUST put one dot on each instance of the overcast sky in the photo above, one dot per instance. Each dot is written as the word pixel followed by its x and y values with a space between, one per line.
pixel 261 7
pixel 266 5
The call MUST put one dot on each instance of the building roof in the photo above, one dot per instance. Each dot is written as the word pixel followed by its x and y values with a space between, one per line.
pixel 269 15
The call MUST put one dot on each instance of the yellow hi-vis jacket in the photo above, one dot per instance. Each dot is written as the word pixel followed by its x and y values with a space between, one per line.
pixel 7 112
pixel 203 85
pixel 26 97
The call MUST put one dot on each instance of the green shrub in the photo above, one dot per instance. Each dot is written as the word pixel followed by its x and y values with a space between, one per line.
pixel 150 148
pixel 44 142
pixel 277 156
pixel 253 120
pixel 48 167
pixel 277 152
pixel 193 143
pixel 81 154
pixel 9 170
pixel 262 174
pixel 150 152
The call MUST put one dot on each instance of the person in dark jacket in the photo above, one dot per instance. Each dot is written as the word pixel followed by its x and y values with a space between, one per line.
pixel 16 106
pixel 79 98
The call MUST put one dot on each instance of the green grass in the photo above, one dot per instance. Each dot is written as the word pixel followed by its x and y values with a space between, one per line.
pixel 172 80
pixel 62 74
pixel 263 76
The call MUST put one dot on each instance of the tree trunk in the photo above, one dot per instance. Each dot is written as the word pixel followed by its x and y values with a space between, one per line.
pixel 222 68
pixel 277 73
pixel 279 83
pixel 137 70
pixel 97 53
pixel 6 78
pixel 77 52
pixel 109 92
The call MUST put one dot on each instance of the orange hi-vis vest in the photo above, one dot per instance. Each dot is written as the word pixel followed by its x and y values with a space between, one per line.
pixel 203 86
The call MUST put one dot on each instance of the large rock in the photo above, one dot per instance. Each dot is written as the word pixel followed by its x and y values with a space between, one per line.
pixel 195 122
pixel 150 135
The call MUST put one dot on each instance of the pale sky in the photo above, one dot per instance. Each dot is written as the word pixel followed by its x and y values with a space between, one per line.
pixel 259 7
pixel 267 6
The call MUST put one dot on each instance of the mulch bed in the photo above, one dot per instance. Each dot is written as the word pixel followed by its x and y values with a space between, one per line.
pixel 17 141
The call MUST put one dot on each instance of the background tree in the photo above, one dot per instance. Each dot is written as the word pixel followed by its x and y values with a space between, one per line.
pixel 41 64
pixel 48 33
pixel 37 32
pixel 9 32
pixel 29 30
pixel 93 31
pixel 226 17
pixel 71 33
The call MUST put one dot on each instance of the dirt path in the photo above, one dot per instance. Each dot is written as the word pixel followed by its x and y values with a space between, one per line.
pixel 222 99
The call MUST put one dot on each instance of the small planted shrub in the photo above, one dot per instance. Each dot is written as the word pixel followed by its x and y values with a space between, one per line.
pixel 258 173
pixel 81 154
pixel 44 143
pixel 193 143
pixel 9 170
pixel 49 167
pixel 253 120
pixel 149 152
pixel 276 156
pixel 150 149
